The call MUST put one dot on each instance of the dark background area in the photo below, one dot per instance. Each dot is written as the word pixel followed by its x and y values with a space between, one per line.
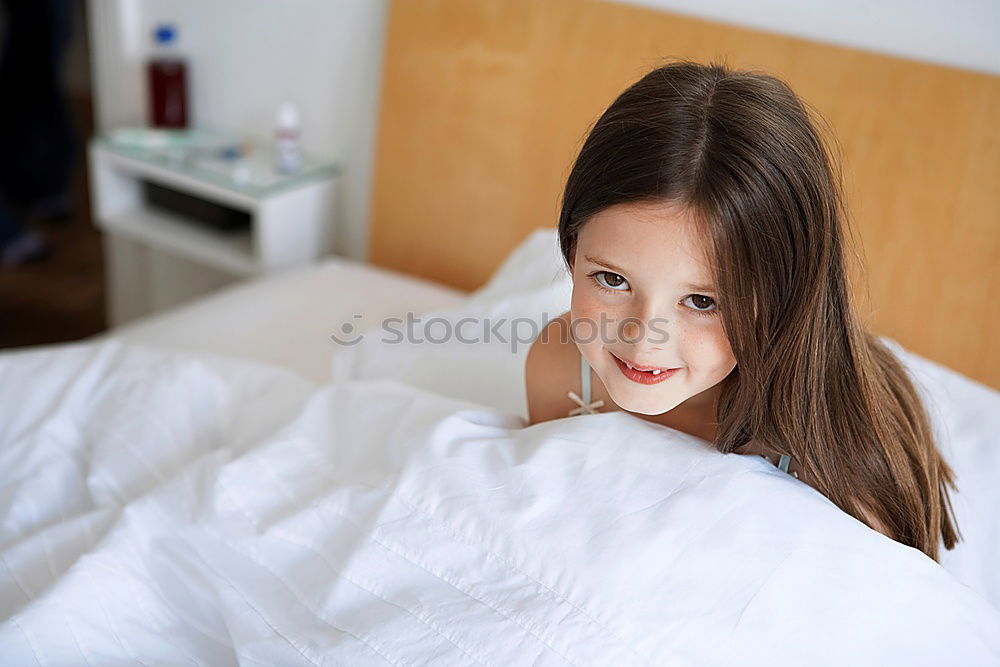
pixel 61 297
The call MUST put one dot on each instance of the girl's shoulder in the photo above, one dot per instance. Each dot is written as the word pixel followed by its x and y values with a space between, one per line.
pixel 551 369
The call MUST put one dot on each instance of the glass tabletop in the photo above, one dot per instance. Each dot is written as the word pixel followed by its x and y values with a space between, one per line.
pixel 238 162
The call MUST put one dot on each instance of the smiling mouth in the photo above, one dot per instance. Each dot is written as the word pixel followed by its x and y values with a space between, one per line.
pixel 639 367
pixel 643 374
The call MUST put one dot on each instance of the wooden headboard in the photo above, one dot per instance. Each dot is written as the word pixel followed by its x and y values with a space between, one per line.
pixel 485 103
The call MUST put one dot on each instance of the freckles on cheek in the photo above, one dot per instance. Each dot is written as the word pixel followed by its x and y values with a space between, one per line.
pixel 592 319
pixel 722 355
pixel 706 347
pixel 586 304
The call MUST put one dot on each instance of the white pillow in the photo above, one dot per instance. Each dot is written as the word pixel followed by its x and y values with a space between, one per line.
pixel 536 263
pixel 965 416
pixel 496 325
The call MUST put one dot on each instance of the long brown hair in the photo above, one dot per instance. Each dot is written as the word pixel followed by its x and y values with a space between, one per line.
pixel 742 151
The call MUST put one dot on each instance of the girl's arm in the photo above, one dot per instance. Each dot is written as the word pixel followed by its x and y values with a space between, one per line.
pixel 546 375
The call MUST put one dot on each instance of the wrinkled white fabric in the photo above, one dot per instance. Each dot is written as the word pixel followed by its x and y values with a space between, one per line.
pixel 173 508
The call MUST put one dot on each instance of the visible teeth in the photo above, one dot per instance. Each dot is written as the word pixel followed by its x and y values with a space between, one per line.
pixel 632 368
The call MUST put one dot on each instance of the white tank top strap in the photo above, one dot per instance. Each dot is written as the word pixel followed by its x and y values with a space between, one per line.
pixel 584 405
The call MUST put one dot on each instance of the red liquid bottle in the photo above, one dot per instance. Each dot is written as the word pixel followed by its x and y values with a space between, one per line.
pixel 167 74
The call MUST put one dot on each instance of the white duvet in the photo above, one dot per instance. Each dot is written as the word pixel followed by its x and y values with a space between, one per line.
pixel 167 508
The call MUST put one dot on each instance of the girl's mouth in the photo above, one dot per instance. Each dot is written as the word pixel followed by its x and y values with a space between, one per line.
pixel 644 374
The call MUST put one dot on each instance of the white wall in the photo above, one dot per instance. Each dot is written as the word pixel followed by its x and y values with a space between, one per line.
pixel 959 33
pixel 245 58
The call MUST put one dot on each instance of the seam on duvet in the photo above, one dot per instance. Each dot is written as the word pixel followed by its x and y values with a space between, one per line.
pixel 704 529
pixel 31 643
pixel 764 583
pixel 339 572
pixel 63 518
pixel 30 596
pixel 262 617
pixel 227 643
pixel 541 587
pixel 104 610
pixel 76 640
pixel 512 566
pixel 533 630
pixel 13 577
pixel 531 627
pixel 117 492
pixel 145 609
pixel 364 640
pixel 292 590
pixel 107 617
pixel 229 582
pixel 114 488
pixel 105 434
pixel 257 611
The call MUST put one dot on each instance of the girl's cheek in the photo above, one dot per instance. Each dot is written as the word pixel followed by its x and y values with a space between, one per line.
pixel 720 344
pixel 586 304
pixel 594 317
pixel 706 347
pixel 583 303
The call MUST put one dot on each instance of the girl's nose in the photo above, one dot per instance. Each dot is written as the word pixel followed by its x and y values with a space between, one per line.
pixel 645 329
pixel 632 329
pixel 648 308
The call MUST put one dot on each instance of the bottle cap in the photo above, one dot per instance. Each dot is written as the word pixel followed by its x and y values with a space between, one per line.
pixel 288 115
pixel 165 33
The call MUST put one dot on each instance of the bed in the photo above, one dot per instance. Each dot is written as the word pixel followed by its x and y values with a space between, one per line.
pixel 171 500
pixel 226 483
pixel 288 319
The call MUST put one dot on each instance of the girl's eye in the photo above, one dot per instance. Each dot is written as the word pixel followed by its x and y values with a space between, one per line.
pixel 700 303
pixel 611 281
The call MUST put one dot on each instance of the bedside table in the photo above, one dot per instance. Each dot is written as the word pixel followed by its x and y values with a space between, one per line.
pixel 159 254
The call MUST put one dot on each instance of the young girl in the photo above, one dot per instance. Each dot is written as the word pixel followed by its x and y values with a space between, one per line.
pixel 701 223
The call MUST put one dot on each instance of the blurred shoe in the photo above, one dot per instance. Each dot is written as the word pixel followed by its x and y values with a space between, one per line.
pixel 28 246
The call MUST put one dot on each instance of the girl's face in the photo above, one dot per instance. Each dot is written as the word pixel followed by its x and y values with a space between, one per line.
pixel 642 295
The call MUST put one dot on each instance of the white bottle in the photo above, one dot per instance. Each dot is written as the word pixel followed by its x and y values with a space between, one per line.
pixel 288 153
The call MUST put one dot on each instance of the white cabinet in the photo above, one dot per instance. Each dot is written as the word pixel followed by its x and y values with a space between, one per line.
pixel 156 258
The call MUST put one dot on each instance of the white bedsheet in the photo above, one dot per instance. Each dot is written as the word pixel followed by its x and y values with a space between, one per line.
pixel 178 508
pixel 287 318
